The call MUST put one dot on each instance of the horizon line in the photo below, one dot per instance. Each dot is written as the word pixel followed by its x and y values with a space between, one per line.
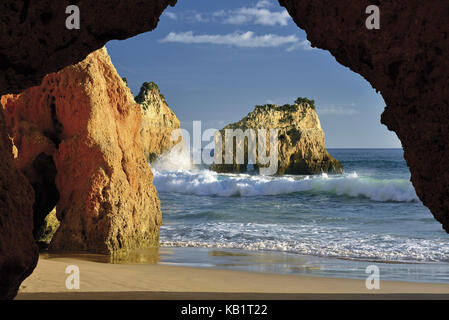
pixel 401 148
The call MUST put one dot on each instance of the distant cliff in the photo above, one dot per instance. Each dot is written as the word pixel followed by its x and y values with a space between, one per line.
pixel 158 121
pixel 301 147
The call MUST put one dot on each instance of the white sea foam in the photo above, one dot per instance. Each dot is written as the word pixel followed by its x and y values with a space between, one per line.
pixel 352 229
pixel 305 239
pixel 177 158
pixel 209 183
pixel 422 252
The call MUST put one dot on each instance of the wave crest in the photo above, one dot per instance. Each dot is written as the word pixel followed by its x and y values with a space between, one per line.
pixel 209 183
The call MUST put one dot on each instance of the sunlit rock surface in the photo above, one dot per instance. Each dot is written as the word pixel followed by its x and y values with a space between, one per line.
pixel 300 148
pixel 158 122
pixel 81 128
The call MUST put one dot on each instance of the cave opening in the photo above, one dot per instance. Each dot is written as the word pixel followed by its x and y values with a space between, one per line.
pixel 46 197
pixel 379 57
pixel 200 59
pixel 204 73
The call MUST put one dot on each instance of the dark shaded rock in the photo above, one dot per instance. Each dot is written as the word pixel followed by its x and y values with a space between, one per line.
pixel 406 60
pixel 33 43
pixel 18 251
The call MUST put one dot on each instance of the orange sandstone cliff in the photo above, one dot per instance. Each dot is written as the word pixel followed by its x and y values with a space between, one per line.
pixel 77 140
pixel 158 122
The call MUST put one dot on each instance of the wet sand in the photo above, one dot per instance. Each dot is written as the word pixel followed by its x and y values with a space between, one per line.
pixel 155 281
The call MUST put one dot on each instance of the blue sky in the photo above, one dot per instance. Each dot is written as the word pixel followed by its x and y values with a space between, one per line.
pixel 215 60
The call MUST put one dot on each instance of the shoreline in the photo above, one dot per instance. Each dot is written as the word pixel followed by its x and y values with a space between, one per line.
pixel 161 281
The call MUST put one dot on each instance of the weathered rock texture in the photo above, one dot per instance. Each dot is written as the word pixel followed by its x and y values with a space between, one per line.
pixel 34 40
pixel 406 60
pixel 301 147
pixel 35 133
pixel 47 229
pixel 83 125
pixel 18 252
pixel 158 122
pixel 33 43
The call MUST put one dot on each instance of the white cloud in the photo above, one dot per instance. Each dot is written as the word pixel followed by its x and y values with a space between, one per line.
pixel 220 13
pixel 259 16
pixel 198 17
pixel 238 39
pixel 337 110
pixel 171 15
pixel 305 45
pixel 264 4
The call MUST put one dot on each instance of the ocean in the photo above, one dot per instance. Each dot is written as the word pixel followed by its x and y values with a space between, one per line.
pixel 322 225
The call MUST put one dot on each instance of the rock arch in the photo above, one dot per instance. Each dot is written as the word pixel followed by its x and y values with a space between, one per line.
pixel 404 60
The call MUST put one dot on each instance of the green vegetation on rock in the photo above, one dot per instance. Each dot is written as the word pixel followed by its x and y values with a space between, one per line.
pixel 144 96
pixel 287 107
pixel 302 100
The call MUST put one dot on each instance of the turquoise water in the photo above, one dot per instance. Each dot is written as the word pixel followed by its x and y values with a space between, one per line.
pixel 332 225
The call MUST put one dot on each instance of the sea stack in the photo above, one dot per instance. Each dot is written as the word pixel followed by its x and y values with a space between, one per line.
pixel 301 147
pixel 158 122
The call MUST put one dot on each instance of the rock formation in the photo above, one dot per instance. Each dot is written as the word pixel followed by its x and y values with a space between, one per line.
pixel 34 40
pixel 405 60
pixel 77 137
pixel 34 43
pixel 301 148
pixel 18 252
pixel 45 232
pixel 158 122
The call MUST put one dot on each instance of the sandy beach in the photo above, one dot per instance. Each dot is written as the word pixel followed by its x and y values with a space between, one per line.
pixel 155 281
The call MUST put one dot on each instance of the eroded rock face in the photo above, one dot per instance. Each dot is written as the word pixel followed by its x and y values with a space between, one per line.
pixel 34 131
pixel 18 251
pixel 86 121
pixel 47 229
pixel 34 40
pixel 406 60
pixel 301 147
pixel 158 122
pixel 34 43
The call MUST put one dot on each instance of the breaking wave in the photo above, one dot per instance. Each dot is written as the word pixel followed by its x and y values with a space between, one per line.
pixel 174 172
pixel 209 183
